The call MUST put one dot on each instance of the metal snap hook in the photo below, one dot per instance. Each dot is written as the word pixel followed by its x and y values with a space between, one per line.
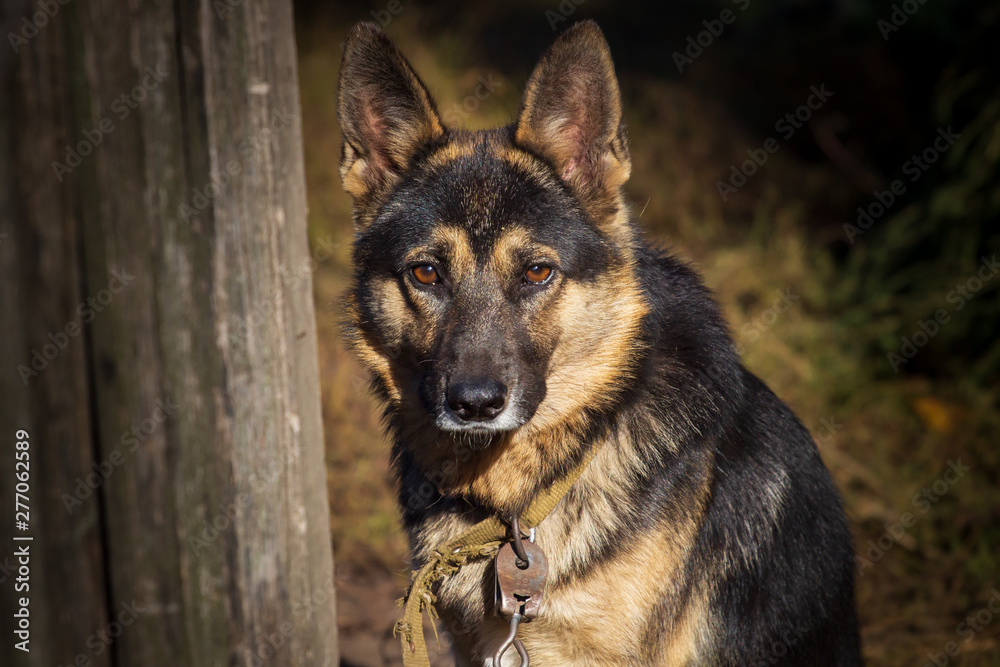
pixel 511 638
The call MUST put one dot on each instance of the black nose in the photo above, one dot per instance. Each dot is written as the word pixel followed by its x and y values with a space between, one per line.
pixel 478 399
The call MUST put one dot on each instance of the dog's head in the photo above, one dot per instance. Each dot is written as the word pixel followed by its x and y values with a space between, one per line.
pixel 495 295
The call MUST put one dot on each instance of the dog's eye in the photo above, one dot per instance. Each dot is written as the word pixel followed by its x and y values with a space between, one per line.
pixel 426 274
pixel 538 274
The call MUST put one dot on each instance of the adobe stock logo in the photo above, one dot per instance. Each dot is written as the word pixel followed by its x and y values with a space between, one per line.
pixel 898 18
pixel 696 44
pixel 87 312
pixel 975 622
pixel 460 111
pixel 29 29
pixel 927 329
pixel 566 9
pixel 914 168
pixel 122 106
pixel 786 126
pixel 163 409
pixel 752 330
pixel 922 500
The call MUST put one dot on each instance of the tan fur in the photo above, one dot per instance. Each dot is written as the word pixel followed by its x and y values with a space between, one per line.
pixel 599 618
pixel 513 243
pixel 451 242
pixel 450 152
pixel 596 329
pixel 370 353
pixel 526 164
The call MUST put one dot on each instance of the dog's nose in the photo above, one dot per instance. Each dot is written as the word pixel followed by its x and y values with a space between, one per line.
pixel 478 399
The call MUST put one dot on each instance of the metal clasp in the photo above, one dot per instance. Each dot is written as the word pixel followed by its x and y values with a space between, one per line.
pixel 515 620
pixel 521 571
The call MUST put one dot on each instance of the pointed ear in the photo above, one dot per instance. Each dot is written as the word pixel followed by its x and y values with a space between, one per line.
pixel 386 114
pixel 571 115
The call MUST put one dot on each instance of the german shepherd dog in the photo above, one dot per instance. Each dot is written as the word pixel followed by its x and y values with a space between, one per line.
pixel 514 319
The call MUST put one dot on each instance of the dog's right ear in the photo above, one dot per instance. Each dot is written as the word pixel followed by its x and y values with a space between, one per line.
pixel 386 114
pixel 571 115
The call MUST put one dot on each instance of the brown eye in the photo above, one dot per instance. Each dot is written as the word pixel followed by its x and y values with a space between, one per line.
pixel 425 274
pixel 538 274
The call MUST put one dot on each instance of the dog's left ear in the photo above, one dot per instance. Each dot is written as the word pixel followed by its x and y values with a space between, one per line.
pixel 572 116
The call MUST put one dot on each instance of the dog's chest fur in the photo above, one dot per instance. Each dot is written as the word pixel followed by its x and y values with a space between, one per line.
pixel 604 603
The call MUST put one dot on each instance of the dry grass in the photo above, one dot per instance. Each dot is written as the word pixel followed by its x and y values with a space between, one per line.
pixel 884 439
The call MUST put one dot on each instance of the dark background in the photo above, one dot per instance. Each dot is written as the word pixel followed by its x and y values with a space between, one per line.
pixel 889 427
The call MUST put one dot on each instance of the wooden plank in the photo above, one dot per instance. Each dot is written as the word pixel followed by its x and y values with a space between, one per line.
pixel 202 363
pixel 44 366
